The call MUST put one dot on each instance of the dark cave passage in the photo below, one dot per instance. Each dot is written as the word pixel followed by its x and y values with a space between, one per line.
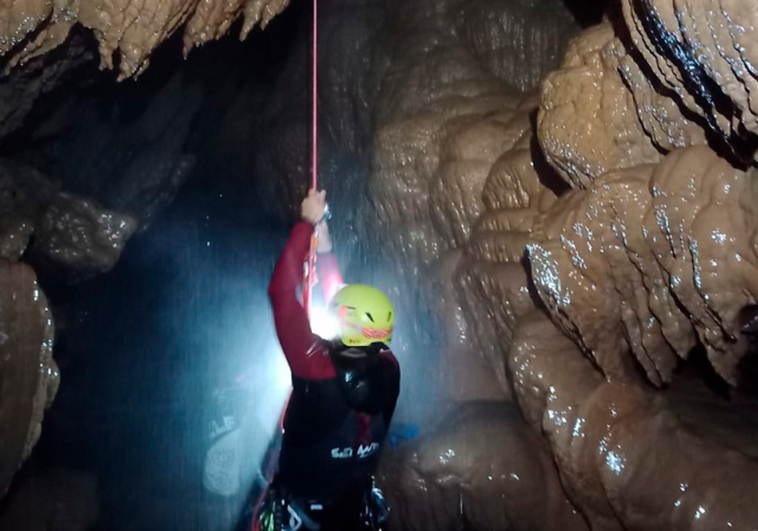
pixel 191 317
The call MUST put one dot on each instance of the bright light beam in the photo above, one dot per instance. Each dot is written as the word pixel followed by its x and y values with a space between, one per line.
pixel 323 323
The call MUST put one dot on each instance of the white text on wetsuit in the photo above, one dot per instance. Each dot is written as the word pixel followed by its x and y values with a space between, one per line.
pixel 347 453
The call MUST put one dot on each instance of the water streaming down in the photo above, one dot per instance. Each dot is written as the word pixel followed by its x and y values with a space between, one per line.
pixel 558 204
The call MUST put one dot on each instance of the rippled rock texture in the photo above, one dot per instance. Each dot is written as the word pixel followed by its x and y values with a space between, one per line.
pixel 69 233
pixel 452 100
pixel 455 95
pixel 580 211
pixel 55 231
pixel 604 235
pixel 702 54
pixel 600 293
pixel 481 469
pixel 127 31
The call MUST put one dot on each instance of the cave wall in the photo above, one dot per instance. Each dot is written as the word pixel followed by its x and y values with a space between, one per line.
pixel 636 268
pixel 573 204
pixel 606 233
pixel 86 163
pixel 127 32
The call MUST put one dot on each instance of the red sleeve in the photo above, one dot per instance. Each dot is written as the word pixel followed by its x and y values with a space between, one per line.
pixel 303 349
pixel 329 275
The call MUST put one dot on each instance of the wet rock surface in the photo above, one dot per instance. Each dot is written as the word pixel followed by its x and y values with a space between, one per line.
pixel 28 374
pixel 446 112
pixel 584 240
pixel 704 57
pixel 69 233
pixel 692 470
pixel 127 32
pixel 632 267
pixel 482 468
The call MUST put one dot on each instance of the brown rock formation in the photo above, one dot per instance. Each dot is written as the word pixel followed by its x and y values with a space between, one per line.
pixel 449 105
pixel 28 374
pixel 71 233
pixel 675 243
pixel 74 237
pixel 447 109
pixel 629 458
pixel 642 263
pixel 482 452
pixel 126 29
pixel 587 124
pixel 705 57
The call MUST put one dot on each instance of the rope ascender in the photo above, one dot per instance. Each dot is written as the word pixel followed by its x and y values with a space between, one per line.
pixel 310 272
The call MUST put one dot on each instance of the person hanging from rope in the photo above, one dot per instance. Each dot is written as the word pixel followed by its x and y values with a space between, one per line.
pixel 344 393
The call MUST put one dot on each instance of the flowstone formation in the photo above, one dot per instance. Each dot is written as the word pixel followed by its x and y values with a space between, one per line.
pixel 647 261
pixel 127 31
pixel 455 94
pixel 28 374
pixel 52 230
pixel 606 235
pixel 459 477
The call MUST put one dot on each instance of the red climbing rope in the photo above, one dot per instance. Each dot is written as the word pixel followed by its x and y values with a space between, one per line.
pixel 315 99
pixel 310 274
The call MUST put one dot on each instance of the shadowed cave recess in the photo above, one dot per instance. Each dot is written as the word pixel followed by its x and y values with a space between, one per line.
pixel 559 197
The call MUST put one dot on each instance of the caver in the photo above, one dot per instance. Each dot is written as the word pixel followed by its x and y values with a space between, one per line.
pixel 344 393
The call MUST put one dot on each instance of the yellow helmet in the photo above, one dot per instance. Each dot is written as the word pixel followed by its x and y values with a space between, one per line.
pixel 365 315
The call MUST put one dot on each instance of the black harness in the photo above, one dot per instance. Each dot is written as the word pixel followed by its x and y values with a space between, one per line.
pixel 333 427
pixel 367 386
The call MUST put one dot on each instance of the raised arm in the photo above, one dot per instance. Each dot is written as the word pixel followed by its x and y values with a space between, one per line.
pixel 303 349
